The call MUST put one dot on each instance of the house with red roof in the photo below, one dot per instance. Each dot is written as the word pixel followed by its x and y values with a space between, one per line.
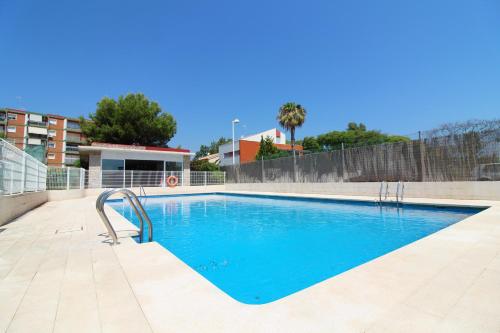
pixel 246 148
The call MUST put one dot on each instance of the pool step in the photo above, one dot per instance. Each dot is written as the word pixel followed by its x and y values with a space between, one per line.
pixel 170 292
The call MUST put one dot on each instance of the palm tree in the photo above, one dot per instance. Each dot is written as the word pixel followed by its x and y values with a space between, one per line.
pixel 290 116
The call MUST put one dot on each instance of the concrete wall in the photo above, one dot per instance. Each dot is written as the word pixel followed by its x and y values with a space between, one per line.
pixel 13 206
pixel 186 172
pixel 444 190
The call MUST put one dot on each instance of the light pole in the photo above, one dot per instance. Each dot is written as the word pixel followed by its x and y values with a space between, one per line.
pixel 233 123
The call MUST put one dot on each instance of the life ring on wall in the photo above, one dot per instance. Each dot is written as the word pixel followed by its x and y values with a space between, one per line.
pixel 172 181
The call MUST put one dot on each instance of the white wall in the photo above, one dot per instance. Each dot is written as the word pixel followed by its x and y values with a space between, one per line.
pixel 228 148
pixel 271 133
pixel 13 206
pixel 443 190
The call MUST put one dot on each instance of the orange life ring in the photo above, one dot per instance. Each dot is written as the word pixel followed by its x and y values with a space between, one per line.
pixel 172 181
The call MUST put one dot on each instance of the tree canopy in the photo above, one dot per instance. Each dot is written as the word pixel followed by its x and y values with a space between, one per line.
pixel 310 143
pixel 267 150
pixel 355 135
pixel 290 116
pixel 213 148
pixel 132 119
pixel 203 165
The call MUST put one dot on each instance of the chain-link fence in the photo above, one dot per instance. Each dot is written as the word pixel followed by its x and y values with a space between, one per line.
pixel 468 156
pixel 20 172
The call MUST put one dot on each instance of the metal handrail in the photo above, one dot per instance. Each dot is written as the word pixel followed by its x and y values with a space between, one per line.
pixel 134 202
pixel 402 192
pixel 380 192
pixel 142 190
pixel 397 192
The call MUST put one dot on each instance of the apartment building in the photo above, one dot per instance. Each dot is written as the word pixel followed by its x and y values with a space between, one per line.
pixel 53 139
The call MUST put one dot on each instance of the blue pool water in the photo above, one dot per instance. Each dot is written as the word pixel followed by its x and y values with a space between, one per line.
pixel 260 249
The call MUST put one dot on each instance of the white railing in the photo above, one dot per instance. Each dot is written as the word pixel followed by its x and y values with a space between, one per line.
pixel 76 178
pixel 135 178
pixel 20 172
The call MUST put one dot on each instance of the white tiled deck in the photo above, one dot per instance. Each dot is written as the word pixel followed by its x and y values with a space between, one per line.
pixel 57 273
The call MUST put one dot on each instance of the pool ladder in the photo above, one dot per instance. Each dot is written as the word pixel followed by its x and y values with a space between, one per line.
pixel 399 192
pixel 136 206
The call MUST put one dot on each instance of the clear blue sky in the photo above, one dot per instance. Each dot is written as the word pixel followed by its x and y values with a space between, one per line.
pixel 398 66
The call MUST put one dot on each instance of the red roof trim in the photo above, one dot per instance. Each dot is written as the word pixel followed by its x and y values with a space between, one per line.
pixel 15 110
pixel 179 150
pixel 134 147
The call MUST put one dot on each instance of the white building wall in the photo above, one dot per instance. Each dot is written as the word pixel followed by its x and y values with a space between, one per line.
pixel 272 133
pixel 225 153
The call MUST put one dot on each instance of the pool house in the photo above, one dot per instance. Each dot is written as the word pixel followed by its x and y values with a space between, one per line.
pixel 117 165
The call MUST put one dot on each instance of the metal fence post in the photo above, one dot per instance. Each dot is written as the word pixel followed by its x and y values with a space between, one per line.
pixel 67 177
pixel 11 179
pixel 37 177
pixel 224 177
pixel 343 164
pixel 82 178
pixel 132 179
pixel 262 168
pixel 23 173
pixel 205 178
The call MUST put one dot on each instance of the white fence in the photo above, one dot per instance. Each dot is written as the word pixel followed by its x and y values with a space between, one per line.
pixel 76 178
pixel 65 178
pixel 204 178
pixel 135 178
pixel 20 172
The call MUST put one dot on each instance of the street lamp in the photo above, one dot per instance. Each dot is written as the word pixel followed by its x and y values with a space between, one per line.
pixel 233 123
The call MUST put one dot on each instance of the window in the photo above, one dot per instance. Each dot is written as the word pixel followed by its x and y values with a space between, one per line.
pixel 12 116
pixel 53 121
pixel 11 129
pixel 112 164
pixel 52 133
pixel 52 144
pixel 173 166
pixel 51 156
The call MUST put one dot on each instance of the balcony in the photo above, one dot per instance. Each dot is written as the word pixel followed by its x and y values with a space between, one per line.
pixel 73 139
pixel 69 160
pixel 73 127
pixel 72 150
pixel 37 130
pixel 37 123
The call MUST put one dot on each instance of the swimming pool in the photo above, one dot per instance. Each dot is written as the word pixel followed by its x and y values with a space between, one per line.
pixel 258 249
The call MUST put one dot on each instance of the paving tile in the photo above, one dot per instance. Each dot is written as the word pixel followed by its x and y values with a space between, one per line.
pixel 406 319
pixel 38 308
pixel 72 281
pixel 467 320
